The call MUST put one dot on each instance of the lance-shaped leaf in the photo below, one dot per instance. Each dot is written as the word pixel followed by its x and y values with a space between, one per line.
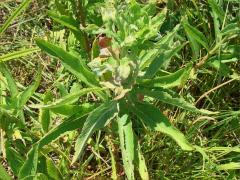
pixel 196 35
pixel 232 28
pixel 154 119
pixel 216 9
pixel 44 114
pixel 76 121
pixel 11 82
pixel 52 169
pixel 7 120
pixel 140 162
pixel 175 79
pixel 150 55
pixel 97 119
pixel 73 64
pixel 170 97
pixel 29 167
pixel 131 151
pixel 70 23
pixel 163 57
pixel 66 99
pixel 126 137
pixel 64 20
pixel 15 160
pixel 69 110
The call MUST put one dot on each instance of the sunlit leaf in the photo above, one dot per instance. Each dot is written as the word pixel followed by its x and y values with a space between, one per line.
pixel 98 119
pixel 154 119
pixel 175 79
pixel 127 144
pixel 29 167
pixel 196 35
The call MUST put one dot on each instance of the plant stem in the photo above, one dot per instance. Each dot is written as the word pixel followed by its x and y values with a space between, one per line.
pixel 205 58
pixel 82 19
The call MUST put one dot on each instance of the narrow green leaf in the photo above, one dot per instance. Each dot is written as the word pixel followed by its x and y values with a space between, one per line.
pixel 140 163
pixel 233 28
pixel 229 166
pixel 98 119
pixel 170 97
pixel 18 54
pixel 7 120
pixel 70 62
pixel 15 160
pixel 74 122
pixel 11 82
pixel 44 114
pixel 163 57
pixel 4 174
pixel 126 137
pixel 14 15
pixel 164 43
pixel 175 79
pixel 38 176
pixel 194 46
pixel 216 9
pixel 67 99
pixel 52 170
pixel 196 35
pixel 69 110
pixel 67 21
pixel 154 119
pixel 27 93
pixel 29 167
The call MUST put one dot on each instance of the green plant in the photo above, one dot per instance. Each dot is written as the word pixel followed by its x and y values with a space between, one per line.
pixel 118 62
pixel 120 69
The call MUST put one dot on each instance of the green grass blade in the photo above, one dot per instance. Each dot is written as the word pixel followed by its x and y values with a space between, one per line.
pixel 154 119
pixel 14 15
pixel 18 54
pixel 98 119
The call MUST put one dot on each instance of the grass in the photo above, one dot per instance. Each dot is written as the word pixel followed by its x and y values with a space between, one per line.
pixel 213 86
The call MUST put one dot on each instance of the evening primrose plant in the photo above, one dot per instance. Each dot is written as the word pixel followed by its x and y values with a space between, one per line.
pixel 119 64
